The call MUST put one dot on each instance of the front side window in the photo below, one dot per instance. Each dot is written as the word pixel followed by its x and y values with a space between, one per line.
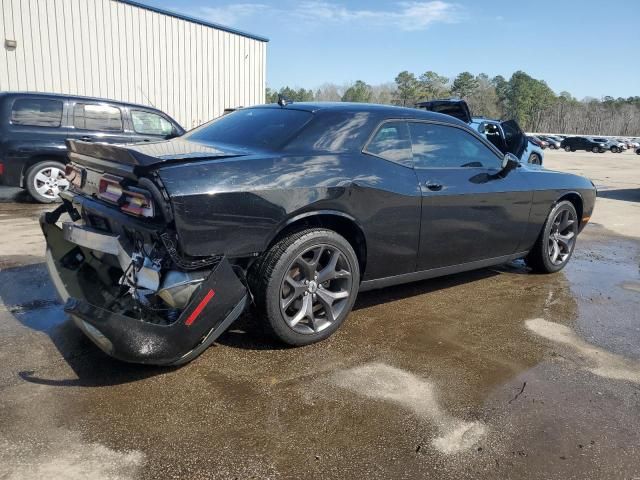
pixel 147 123
pixel 392 143
pixel 267 128
pixel 440 146
pixel 103 118
pixel 37 112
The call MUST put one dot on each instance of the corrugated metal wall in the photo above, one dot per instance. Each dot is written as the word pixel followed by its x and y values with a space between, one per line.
pixel 110 49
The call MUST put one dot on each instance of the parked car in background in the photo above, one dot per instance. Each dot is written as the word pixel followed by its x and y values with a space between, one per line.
pixel 34 127
pixel 554 142
pixel 506 136
pixel 571 144
pixel 638 151
pixel 611 144
pixel 540 142
pixel 298 207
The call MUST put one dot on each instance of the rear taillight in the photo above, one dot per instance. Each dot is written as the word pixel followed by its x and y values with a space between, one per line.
pixel 137 202
pixel 131 200
pixel 1 168
pixel 110 189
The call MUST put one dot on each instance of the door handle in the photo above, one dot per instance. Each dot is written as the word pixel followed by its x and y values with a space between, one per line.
pixel 86 138
pixel 433 186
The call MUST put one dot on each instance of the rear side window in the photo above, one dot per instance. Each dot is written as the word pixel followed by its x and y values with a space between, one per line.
pixel 333 132
pixel 104 118
pixel 267 128
pixel 37 112
pixel 439 146
pixel 147 123
pixel 392 142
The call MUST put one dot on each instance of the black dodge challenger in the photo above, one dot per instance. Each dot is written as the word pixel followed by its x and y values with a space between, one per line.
pixel 294 208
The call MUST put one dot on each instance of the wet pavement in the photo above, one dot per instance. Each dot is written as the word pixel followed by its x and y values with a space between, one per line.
pixel 497 373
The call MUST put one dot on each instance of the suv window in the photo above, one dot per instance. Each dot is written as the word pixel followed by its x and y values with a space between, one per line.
pixel 147 123
pixel 392 142
pixel 38 112
pixel 439 146
pixel 89 116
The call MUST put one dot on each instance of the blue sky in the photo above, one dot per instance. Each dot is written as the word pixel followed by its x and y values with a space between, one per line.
pixel 586 47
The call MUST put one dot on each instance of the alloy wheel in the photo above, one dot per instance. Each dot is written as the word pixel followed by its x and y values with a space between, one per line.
pixel 316 289
pixel 562 236
pixel 49 182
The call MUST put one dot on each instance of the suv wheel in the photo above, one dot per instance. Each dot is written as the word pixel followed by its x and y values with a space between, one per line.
pixel 567 148
pixel 306 285
pixel 45 180
pixel 595 150
pixel 556 242
pixel 614 149
pixel 535 159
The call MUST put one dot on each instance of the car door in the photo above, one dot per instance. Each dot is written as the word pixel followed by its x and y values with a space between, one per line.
pixel 150 126
pixel 95 121
pixel 470 211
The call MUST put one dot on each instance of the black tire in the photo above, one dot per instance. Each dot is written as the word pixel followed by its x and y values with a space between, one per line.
pixel 595 150
pixel 567 148
pixel 614 150
pixel 267 280
pixel 535 159
pixel 36 188
pixel 539 258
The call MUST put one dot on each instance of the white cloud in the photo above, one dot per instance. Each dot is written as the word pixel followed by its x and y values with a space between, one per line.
pixel 231 15
pixel 408 16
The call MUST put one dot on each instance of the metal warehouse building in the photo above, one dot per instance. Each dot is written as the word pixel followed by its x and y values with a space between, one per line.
pixel 127 51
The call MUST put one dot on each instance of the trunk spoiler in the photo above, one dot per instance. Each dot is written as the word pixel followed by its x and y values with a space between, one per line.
pixel 142 155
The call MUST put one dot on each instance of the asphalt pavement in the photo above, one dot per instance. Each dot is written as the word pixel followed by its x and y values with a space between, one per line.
pixel 497 373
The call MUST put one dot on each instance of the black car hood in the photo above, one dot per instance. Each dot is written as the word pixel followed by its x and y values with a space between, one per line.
pixel 149 154
pixel 452 107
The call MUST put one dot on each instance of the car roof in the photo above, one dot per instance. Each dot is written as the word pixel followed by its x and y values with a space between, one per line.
pixel 73 97
pixel 390 111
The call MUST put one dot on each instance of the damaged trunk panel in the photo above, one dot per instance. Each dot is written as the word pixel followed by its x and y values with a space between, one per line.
pixel 133 300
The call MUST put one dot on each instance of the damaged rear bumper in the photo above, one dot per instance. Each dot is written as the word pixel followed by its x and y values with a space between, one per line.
pixel 216 302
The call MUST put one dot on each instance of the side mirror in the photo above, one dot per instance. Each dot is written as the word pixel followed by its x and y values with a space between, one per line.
pixel 509 162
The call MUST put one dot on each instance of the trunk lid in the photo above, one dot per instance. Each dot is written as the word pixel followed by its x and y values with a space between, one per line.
pixel 453 107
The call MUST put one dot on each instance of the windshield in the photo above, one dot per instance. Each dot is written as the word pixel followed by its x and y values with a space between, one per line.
pixel 267 128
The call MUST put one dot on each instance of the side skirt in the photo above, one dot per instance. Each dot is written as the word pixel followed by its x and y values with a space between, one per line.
pixel 436 272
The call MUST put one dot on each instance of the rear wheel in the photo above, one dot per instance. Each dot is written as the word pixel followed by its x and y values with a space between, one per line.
pixel 556 242
pixel 306 285
pixel 567 148
pixel 45 180
pixel 595 150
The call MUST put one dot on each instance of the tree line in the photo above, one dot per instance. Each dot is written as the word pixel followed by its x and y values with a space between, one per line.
pixel 530 101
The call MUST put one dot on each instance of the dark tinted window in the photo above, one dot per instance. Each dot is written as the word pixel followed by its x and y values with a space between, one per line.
pixel 392 142
pixel 105 118
pixel 38 112
pixel 253 127
pixel 439 146
pixel 147 123
pixel 334 132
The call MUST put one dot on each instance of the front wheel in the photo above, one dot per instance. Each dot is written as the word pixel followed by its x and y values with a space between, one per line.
pixel 556 242
pixel 306 285
pixel 614 150
pixel 595 150
pixel 567 148
pixel 45 180
pixel 535 159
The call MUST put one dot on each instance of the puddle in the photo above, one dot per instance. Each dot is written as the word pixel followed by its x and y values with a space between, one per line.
pixel 383 382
